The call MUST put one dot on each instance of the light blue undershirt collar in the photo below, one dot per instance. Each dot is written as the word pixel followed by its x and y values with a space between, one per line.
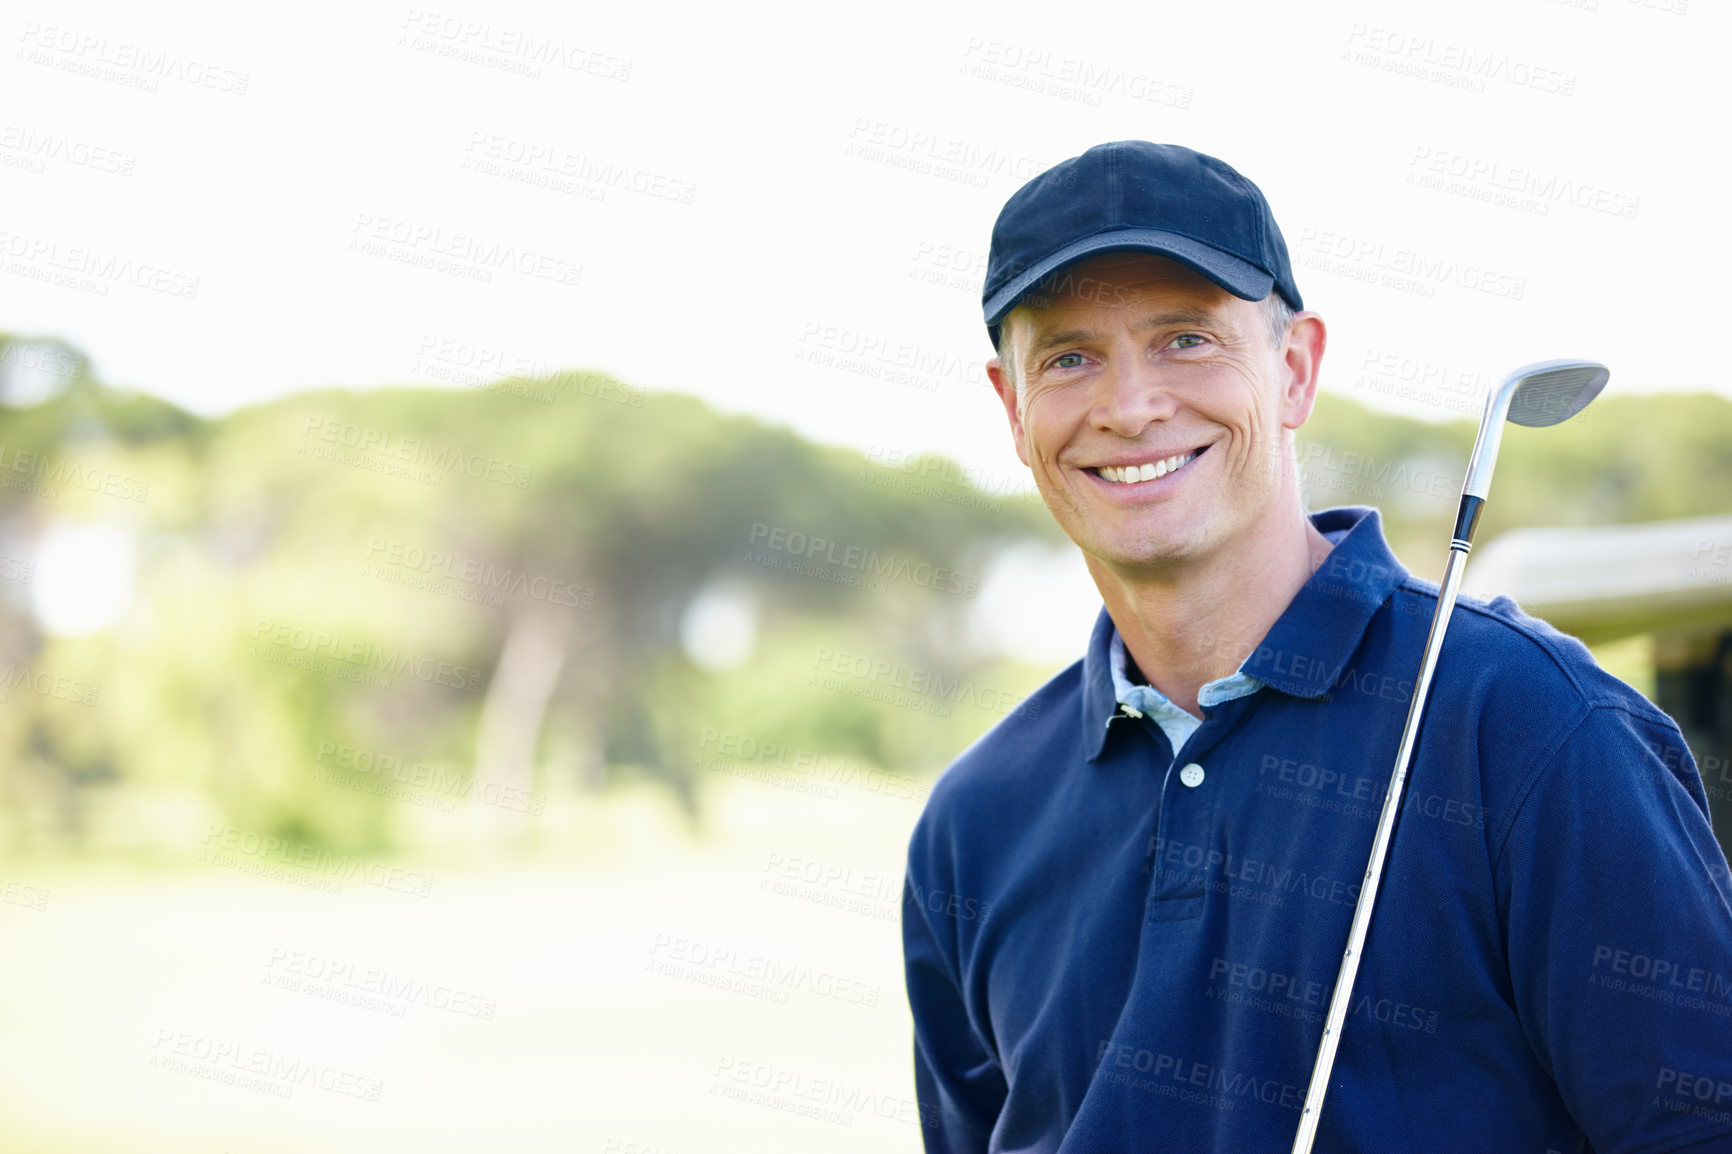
pixel 1147 701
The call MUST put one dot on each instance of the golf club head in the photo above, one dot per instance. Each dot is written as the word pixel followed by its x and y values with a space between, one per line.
pixel 1551 392
pixel 1536 395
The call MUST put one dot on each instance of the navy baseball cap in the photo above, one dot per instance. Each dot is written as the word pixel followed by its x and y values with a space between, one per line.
pixel 1132 195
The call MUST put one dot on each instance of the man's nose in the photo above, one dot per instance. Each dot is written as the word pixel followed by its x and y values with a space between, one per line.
pixel 1133 395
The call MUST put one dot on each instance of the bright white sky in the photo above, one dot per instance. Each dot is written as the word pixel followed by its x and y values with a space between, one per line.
pixel 815 182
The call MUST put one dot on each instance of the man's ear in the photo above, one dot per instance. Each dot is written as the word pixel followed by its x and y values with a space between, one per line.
pixel 1302 360
pixel 1007 395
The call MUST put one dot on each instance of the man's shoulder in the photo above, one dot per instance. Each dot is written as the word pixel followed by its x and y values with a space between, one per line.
pixel 1497 651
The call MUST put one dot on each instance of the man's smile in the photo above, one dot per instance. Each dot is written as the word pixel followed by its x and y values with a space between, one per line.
pixel 1137 472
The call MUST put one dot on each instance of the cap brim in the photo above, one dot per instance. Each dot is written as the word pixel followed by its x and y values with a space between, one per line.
pixel 1238 277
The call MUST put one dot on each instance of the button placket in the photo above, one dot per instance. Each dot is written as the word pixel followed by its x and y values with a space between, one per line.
pixel 1184 823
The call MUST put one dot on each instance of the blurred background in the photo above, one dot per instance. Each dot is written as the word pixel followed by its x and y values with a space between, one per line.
pixel 502 518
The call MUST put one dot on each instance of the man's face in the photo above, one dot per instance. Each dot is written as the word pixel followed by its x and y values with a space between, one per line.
pixel 1144 366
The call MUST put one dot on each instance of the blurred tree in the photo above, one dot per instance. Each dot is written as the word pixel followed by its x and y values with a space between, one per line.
pixel 452 592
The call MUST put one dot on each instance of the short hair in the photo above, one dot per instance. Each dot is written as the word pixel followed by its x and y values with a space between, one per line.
pixel 1277 316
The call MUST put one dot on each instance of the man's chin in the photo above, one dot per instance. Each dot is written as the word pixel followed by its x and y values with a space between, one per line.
pixel 1143 558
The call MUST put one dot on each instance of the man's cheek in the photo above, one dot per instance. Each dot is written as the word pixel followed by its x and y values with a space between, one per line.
pixel 1040 440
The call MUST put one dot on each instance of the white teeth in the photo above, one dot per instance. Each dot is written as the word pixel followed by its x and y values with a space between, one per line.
pixel 1129 474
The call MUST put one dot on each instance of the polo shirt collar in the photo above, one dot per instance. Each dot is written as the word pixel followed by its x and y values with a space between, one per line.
pixel 1308 647
pixel 1100 701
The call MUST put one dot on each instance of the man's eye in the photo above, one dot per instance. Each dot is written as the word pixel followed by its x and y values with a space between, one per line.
pixel 1068 361
pixel 1188 341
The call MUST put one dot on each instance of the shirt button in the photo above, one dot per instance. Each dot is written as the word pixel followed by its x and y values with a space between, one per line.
pixel 1192 775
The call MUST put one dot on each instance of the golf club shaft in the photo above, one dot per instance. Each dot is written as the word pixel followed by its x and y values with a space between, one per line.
pixel 1549 392
pixel 1342 999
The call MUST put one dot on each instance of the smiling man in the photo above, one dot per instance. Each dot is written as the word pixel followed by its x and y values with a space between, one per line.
pixel 1168 844
pixel 1156 410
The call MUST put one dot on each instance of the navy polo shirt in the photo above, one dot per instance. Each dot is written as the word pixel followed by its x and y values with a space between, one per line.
pixel 1115 947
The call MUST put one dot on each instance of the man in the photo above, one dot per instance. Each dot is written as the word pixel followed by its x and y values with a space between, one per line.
pixel 1126 905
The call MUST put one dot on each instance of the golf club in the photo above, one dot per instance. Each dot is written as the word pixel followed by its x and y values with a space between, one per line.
pixel 1537 395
